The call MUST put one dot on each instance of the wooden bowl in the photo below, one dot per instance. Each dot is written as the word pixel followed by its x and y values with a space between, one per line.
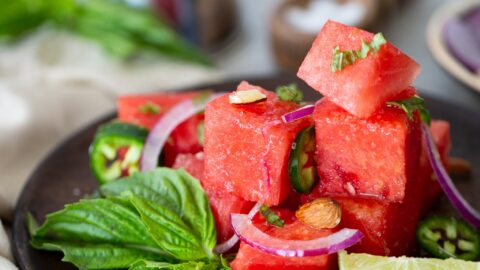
pixel 290 45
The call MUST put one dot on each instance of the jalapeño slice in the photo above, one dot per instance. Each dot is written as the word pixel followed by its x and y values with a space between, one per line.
pixel 447 237
pixel 301 166
pixel 116 151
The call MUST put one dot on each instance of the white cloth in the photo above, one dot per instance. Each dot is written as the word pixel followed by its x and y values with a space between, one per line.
pixel 51 84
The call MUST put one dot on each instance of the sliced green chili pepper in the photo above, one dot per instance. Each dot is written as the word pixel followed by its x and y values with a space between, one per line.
pixel 447 237
pixel 301 167
pixel 116 151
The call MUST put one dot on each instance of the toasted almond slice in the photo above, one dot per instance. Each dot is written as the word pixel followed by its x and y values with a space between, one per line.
pixel 246 96
pixel 322 213
pixel 459 168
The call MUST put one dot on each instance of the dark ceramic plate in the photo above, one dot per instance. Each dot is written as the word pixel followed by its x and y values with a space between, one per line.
pixel 64 176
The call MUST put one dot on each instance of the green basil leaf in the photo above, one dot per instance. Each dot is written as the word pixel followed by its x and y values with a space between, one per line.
pixel 199 265
pixel 96 221
pixel 175 191
pixel 100 256
pixel 341 59
pixel 411 105
pixel 170 231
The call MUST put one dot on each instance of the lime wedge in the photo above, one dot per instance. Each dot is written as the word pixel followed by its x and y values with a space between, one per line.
pixel 371 262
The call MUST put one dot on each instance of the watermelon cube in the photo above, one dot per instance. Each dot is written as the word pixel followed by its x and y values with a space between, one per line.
pixel 222 205
pixel 146 110
pixel 371 157
pixel 389 228
pixel 249 258
pixel 364 86
pixel 247 147
pixel 192 163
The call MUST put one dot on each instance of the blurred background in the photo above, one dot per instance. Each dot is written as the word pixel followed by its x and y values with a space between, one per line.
pixel 64 62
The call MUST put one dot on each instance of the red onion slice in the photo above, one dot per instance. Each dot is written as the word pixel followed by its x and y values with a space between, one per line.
pixel 299 113
pixel 471 215
pixel 163 128
pixel 251 235
pixel 230 243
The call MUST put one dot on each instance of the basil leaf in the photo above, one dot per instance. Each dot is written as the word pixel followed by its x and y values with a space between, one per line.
pixel 149 265
pixel 175 191
pixel 170 231
pixel 97 234
pixel 341 59
pixel 100 256
pixel 272 217
pixel 289 93
pixel 411 105
pixel 105 221
pixel 149 108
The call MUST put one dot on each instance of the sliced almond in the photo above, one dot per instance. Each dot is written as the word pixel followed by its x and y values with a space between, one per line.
pixel 246 96
pixel 459 168
pixel 322 213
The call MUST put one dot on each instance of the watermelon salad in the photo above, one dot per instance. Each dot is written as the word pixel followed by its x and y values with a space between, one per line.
pixel 259 179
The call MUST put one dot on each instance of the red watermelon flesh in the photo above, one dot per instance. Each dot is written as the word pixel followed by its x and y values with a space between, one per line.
pixel 389 228
pixel 192 163
pixel 247 147
pixel 222 205
pixel 183 139
pixel 441 135
pixel 365 86
pixel 371 158
pixel 249 258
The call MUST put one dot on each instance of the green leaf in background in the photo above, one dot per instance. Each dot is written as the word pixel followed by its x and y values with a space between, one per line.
pixel 155 220
pixel 174 190
pixel 411 105
pixel 17 17
pixel 121 30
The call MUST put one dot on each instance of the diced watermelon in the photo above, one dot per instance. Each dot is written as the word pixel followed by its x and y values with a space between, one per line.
pixel 249 258
pixel 222 205
pixel 365 86
pixel 247 147
pixel 389 228
pixel 192 163
pixel 183 139
pixel 371 157
pixel 130 106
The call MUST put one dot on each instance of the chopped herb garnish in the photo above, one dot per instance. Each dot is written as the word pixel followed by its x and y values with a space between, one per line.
pixel 202 97
pixel 289 93
pixel 272 217
pixel 341 59
pixel 149 108
pixel 412 104
pixel 201 132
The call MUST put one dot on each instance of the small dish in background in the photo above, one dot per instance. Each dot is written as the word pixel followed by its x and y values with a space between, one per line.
pixel 453 45
pixel 295 23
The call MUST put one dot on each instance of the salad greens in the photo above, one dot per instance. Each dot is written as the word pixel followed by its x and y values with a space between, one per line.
pixel 121 30
pixel 289 92
pixel 341 59
pixel 154 220
pixel 412 104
